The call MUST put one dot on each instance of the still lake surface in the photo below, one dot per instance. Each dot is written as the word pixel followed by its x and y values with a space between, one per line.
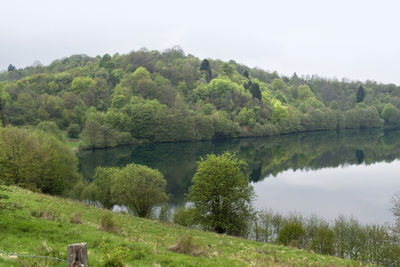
pixel 353 173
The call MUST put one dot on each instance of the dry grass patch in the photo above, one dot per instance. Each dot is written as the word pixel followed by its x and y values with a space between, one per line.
pixel 186 245
pixel 76 219
pixel 107 224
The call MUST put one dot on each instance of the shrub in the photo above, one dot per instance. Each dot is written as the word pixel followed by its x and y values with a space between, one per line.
pixel 165 213
pixel 76 218
pixel 114 257
pixel 186 216
pixel 45 214
pixel 125 138
pixel 323 241
pixel 107 223
pixel 186 245
pixel 139 188
pixel 73 131
pixel 291 233
pixel 222 195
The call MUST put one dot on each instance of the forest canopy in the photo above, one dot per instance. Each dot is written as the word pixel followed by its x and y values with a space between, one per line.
pixel 169 96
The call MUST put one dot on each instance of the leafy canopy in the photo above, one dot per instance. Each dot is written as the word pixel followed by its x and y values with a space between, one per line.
pixel 139 188
pixel 221 194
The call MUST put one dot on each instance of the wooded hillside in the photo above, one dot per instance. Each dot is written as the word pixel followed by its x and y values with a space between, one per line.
pixel 170 96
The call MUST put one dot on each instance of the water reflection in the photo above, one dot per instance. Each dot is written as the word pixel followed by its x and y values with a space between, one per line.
pixel 293 161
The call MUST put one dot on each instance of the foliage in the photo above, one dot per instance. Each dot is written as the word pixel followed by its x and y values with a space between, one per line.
pixel 104 179
pixel 322 242
pixel 107 223
pixel 186 245
pixel 113 257
pixel 391 115
pixel 396 213
pixel 186 216
pixel 36 160
pixel 291 234
pixel 206 69
pixel 221 194
pixel 151 96
pixel 51 127
pixel 345 237
pixel 165 214
pixel 360 94
pixel 139 188
pixel 73 130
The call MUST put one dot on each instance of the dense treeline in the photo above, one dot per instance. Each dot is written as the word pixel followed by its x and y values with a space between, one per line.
pixel 169 96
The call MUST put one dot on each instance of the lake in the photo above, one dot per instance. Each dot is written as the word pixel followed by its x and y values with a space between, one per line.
pixel 353 172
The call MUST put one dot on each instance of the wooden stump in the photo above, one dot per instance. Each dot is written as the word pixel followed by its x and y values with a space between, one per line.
pixel 77 255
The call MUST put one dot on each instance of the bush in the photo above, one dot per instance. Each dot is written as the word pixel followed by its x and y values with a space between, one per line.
pixel 45 214
pixel 76 219
pixel 165 213
pixel 107 223
pixel 51 127
pixel 222 195
pixel 186 216
pixel 125 138
pixel 37 161
pixel 291 233
pixel 323 241
pixel 139 188
pixel 185 245
pixel 114 257
pixel 73 131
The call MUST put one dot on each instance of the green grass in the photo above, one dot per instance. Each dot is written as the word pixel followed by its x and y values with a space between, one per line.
pixel 73 144
pixel 32 223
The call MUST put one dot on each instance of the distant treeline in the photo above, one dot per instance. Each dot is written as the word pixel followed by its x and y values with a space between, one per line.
pixel 169 96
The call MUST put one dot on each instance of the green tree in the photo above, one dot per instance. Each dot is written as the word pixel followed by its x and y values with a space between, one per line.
pixel 51 127
pixel 206 69
pixel 291 233
pixel 222 195
pixel 11 67
pixel 139 188
pixel 36 160
pixel 73 131
pixel 227 69
pixel 323 241
pixel 2 118
pixel 255 90
pixel 103 179
pixel 82 84
pixel 92 133
pixel 391 115
pixel 360 94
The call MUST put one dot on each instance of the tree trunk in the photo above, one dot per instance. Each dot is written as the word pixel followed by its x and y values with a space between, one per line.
pixel 77 255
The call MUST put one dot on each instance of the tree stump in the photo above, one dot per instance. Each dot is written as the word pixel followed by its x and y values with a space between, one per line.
pixel 77 255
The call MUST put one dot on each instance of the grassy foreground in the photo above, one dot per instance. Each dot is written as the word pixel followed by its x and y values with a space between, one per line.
pixel 32 223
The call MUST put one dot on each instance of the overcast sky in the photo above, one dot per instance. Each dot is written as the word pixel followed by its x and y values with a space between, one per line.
pixel 357 39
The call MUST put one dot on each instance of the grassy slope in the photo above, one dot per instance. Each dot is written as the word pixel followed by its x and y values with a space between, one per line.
pixel 147 240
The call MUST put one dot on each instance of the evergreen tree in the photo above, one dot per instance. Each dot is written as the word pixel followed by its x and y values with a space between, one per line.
pixel 205 68
pixel 11 67
pixel 255 90
pixel 360 94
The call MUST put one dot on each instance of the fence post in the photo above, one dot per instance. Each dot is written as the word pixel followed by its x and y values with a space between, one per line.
pixel 77 255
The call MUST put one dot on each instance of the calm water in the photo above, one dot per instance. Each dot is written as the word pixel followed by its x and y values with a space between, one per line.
pixel 326 173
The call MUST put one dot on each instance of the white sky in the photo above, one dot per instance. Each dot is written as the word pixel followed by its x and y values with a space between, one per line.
pixel 357 39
